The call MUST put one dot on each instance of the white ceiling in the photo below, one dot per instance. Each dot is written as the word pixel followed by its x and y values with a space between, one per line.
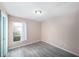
pixel 49 9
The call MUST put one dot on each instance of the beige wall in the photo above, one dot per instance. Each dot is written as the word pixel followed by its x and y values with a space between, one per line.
pixel 33 32
pixel 61 31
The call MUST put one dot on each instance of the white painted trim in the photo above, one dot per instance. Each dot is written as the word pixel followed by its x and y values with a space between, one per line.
pixel 22 45
pixel 63 49
pixel 50 44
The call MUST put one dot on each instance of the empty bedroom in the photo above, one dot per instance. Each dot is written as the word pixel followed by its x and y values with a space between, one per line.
pixel 39 29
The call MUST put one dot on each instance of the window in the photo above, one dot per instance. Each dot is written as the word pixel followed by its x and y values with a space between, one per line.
pixel 19 31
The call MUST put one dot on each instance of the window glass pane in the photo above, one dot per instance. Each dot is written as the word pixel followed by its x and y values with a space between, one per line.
pixel 17 31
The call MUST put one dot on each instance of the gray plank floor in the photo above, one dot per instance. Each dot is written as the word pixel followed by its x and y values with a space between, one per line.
pixel 40 49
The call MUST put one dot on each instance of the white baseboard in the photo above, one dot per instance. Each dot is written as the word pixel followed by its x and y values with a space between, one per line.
pixel 63 49
pixel 50 44
pixel 22 45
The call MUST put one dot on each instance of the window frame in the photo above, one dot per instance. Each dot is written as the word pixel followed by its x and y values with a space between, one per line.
pixel 24 37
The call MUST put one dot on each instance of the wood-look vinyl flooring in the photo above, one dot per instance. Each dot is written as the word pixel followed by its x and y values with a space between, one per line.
pixel 39 49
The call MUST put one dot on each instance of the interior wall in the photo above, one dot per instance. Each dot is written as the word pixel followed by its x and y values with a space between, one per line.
pixel 0 33
pixel 61 31
pixel 33 32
